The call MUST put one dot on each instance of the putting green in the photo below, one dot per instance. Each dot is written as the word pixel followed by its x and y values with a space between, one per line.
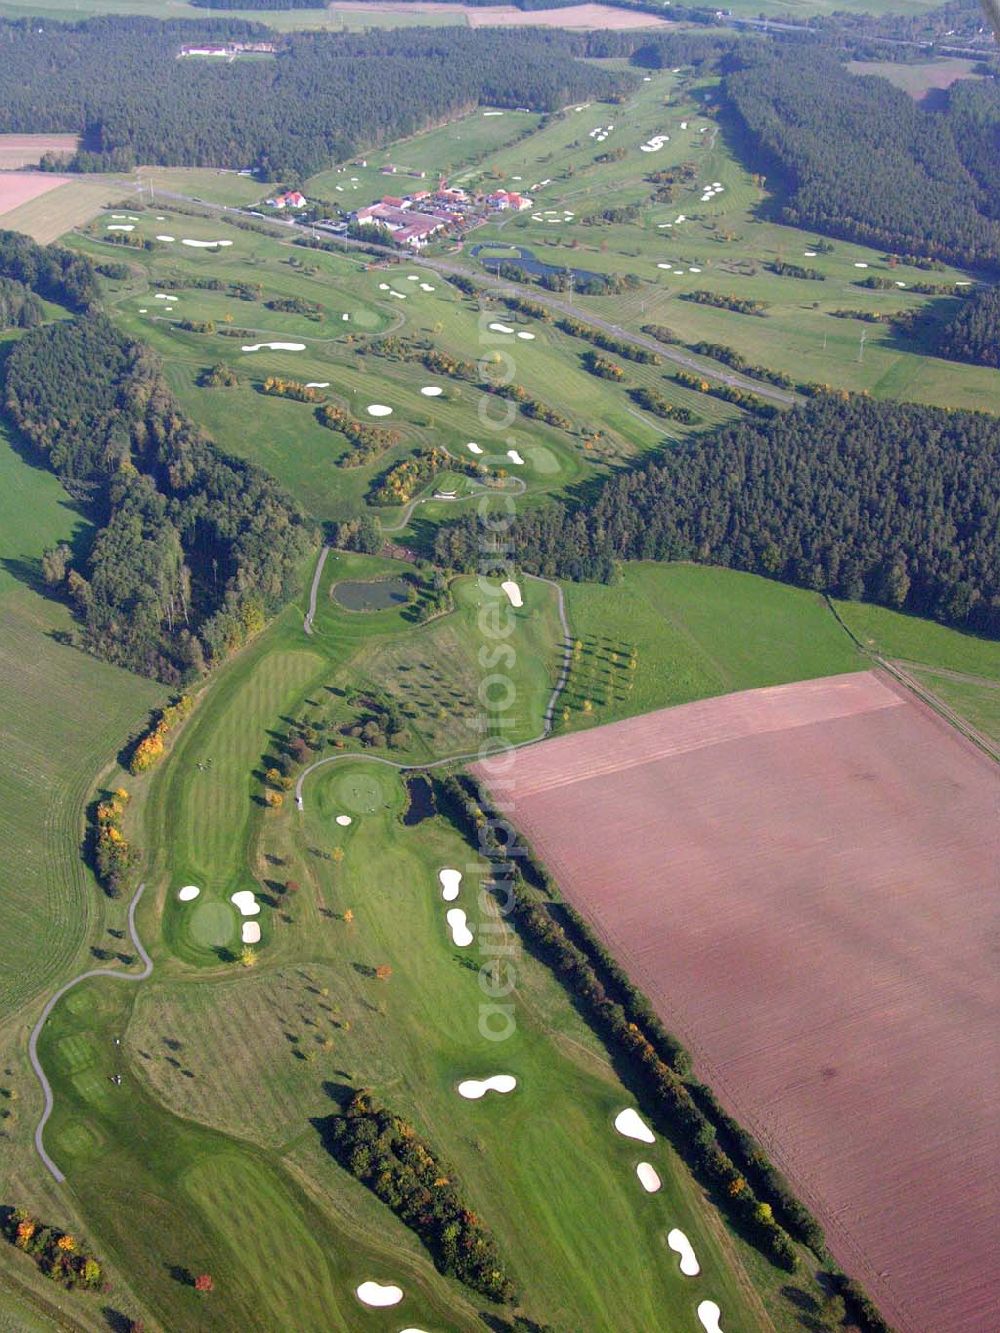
pixel 212 925
pixel 359 791
pixel 543 460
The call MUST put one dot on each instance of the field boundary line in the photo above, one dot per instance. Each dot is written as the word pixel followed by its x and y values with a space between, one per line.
pixel 926 696
pixel 51 1003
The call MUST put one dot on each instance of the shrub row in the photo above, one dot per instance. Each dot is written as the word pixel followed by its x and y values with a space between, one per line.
pixel 150 747
pixel 742 305
pixel 114 856
pixel 736 361
pixel 728 393
pixel 370 442
pixel 577 329
pixel 55 1252
pixel 382 1151
pixel 656 403
pixel 295 389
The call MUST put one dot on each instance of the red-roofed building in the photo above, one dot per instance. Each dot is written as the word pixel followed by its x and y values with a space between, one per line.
pixel 290 199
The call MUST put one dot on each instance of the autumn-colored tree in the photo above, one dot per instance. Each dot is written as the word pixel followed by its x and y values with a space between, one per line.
pixel 204 1282
pixel 247 956
pixel 66 1243
pixel 274 799
pixel 348 916
pixel 383 971
pixel 338 854
pixel 292 886
pixel 25 1230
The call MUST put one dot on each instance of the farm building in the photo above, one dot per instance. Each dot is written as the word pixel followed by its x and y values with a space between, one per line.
pixel 290 199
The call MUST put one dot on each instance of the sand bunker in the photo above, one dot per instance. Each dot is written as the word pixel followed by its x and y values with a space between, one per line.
pixel 377 1294
pixel 344 820
pixel 245 901
pixel 188 893
pixel 204 245
pixel 400 296
pixel 460 932
pixel 809 254
pixel 383 286
pixel 513 592
pixel 379 410
pixel 860 264
pixel 473 448
pixel 450 882
pixel 250 934
pixel 163 296
pixel 648 1178
pixel 515 457
pixel 166 238
pixel 474 1088
pixel 631 1124
pixel 654 143
pixel 710 1314
pixel 318 384
pixel 680 1244
pixel 492 113
pixel 528 337
pixel 426 287
pixel 345 315
pixel 432 391
pixel 120 226
pixel 275 347
pixel 501 328
pixel 142 310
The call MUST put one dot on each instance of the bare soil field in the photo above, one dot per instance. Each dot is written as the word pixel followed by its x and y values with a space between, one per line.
pixel 19 187
pixel 62 203
pixel 588 16
pixel 804 881
pixel 25 150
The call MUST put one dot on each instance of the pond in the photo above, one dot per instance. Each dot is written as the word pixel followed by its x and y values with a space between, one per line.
pixel 420 796
pixel 371 594
pixel 526 259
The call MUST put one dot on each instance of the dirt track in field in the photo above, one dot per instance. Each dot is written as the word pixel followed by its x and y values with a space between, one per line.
pixel 804 880
pixel 587 16
pixel 25 150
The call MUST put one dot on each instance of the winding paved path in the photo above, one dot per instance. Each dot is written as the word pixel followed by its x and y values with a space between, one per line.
pixel 51 1004
pixel 307 624
pixel 473 754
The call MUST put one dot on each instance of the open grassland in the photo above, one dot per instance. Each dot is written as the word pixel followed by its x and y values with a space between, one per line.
pixel 748 859
pixel 216 187
pixel 63 716
pixel 723 245
pixel 920 79
pixel 693 631
pixel 52 214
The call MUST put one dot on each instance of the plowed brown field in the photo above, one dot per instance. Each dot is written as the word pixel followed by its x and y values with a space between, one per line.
pixel 804 881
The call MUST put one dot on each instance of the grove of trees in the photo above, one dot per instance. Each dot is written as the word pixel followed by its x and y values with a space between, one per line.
pixel 973 334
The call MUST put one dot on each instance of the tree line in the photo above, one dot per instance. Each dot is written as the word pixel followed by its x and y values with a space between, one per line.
pixel 973 334
pixel 194 549
pixel 895 503
pixel 859 159
pixel 322 98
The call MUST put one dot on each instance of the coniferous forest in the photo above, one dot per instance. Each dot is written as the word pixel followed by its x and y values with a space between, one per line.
pixel 194 549
pixel 890 502
pixel 321 98
pixel 859 159
pixel 973 334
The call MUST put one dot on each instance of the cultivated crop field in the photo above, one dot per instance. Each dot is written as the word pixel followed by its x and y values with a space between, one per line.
pixel 26 150
pixel 769 869
pixel 46 206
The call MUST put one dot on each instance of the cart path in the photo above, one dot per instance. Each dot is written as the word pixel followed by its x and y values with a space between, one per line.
pixel 51 1004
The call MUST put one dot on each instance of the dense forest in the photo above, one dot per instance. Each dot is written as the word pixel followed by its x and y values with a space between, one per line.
pixel 48 270
pixel 974 333
pixel 861 160
pixel 891 502
pixel 20 308
pixel 194 549
pixel 323 97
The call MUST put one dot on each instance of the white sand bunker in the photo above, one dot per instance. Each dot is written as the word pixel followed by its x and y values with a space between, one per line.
pixel 166 238
pixel 204 245
pixel 275 347
pixel 379 410
pixel 648 1178
pixel 383 286
pixel 460 932
pixel 413 277
pixel 250 934
pixel 142 310
pixel 318 384
pixel 473 448
pixel 163 296
pixel 680 1244
pixel 654 143
pixel 710 1314
pixel 513 592
pixel 860 264
pixel 631 1124
pixel 188 893
pixel 501 328
pixel 426 287
pixel 450 882
pixel 432 391
pixel 474 1088
pixel 344 820
pixel 379 1294
pixel 120 226
pixel 515 457
pixel 492 113
pixel 246 902
pixel 528 337
pixel 809 254
pixel 401 296
pixel 345 315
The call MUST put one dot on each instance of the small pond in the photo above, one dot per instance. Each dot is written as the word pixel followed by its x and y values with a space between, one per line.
pixel 522 257
pixel 371 594
pixel 420 796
